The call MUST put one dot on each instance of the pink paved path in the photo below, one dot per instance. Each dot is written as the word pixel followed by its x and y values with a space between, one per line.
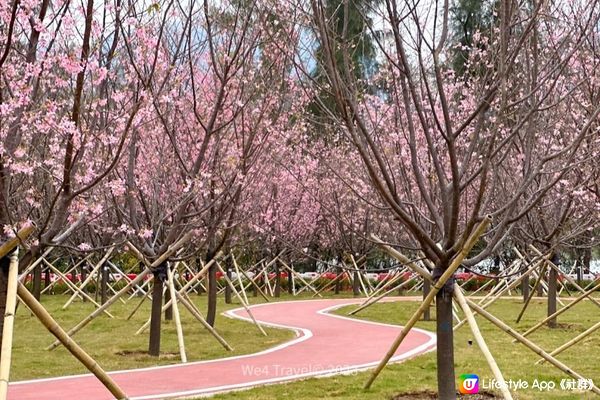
pixel 325 344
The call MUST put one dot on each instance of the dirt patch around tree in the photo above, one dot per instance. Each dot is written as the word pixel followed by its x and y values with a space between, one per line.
pixel 429 395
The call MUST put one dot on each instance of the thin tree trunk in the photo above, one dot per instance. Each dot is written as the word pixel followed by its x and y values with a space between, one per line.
pixel 211 312
pixel 525 288
pixel 355 285
pixel 156 316
pixel 104 285
pixel 426 289
pixel 47 281
pixel 3 289
pixel 255 287
pixel 540 288
pixel 445 346
pixel 552 283
pixel 277 280
pixel 338 282
pixel 290 281
pixel 168 310
pixel 228 291
pixel 37 282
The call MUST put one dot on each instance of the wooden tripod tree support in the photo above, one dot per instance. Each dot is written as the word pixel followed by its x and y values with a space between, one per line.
pixel 531 294
pixel 12 243
pixel 34 264
pixel 9 321
pixel 485 314
pixel 172 249
pixel 70 270
pixel 460 298
pixel 542 284
pixel 183 290
pixel 500 285
pixel 359 275
pixel 573 341
pixel 435 288
pixel 255 285
pixel 514 284
pixel 52 326
pixel 244 304
pixel 90 277
pixel 372 300
pixel 567 277
pixel 172 290
pixel 562 310
pixel 239 277
pixel 528 343
pixel 196 314
pixel 290 270
pixel 76 291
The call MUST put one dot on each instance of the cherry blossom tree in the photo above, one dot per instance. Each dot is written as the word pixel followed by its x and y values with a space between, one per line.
pixel 442 151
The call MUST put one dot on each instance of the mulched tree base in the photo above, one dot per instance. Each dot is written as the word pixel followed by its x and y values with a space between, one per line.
pixel 429 395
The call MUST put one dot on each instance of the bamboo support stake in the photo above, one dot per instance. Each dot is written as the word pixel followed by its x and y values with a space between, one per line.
pixel 460 298
pixel 501 284
pixel 313 281
pixel 140 289
pixel 359 275
pixel 562 310
pixel 573 341
pixel 70 270
pixel 389 282
pixel 90 276
pixel 172 249
pixel 136 308
pixel 373 300
pixel 531 294
pixel 184 289
pixel 330 284
pixel 542 282
pixel 74 287
pixel 514 284
pixel 12 243
pixel 239 278
pixel 52 326
pixel 267 282
pixel 176 317
pixel 435 288
pixel 34 264
pixel 567 277
pixel 194 311
pixel 245 305
pixel 253 283
pixel 485 314
pixel 9 322
pixel 482 287
pixel 528 343
pixel 299 277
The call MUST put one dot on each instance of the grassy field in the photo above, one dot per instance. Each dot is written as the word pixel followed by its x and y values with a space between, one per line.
pixel 515 361
pixel 113 343
pixel 115 346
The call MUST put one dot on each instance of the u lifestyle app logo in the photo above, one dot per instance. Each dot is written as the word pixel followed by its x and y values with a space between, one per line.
pixel 468 384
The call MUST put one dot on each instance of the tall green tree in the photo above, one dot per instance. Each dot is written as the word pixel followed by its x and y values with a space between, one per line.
pixel 349 21
pixel 468 17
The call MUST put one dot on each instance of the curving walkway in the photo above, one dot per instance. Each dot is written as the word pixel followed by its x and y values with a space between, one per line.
pixel 326 344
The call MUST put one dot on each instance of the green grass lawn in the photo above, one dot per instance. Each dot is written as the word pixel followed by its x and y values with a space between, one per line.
pixel 113 343
pixel 515 361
